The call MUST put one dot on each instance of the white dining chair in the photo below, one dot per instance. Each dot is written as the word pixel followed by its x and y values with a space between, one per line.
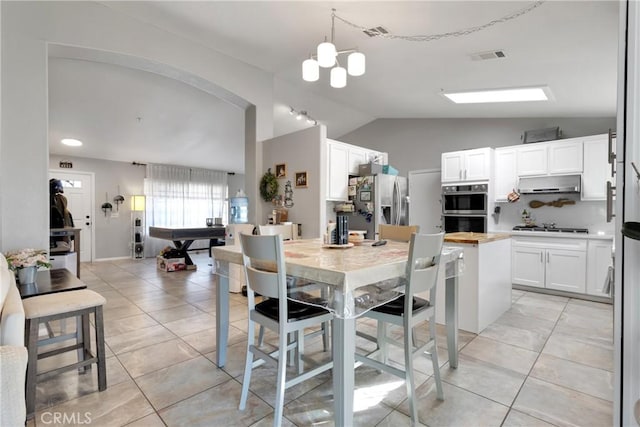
pixel 263 258
pixel 407 312
pixel 287 234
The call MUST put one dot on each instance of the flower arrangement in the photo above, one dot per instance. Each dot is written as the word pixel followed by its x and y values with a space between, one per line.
pixel 27 258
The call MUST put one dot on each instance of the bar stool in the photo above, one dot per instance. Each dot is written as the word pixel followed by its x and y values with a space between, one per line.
pixel 45 308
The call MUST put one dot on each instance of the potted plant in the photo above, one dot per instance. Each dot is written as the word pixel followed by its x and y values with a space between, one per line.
pixel 25 263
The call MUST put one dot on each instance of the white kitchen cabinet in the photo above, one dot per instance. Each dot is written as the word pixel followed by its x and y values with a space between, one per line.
pixel 552 263
pixel 532 159
pixel 598 262
pixel 550 158
pixel 566 270
pixel 565 157
pixel 357 156
pixel 597 170
pixel 344 160
pixel 467 165
pixel 484 291
pixel 338 170
pixel 452 166
pixel 527 266
pixel 506 174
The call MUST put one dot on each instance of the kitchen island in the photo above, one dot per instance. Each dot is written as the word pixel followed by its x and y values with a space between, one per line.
pixel 485 283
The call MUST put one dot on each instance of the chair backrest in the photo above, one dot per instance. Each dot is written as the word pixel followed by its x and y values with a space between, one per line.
pixel 423 263
pixel 263 258
pixel 286 231
pixel 400 233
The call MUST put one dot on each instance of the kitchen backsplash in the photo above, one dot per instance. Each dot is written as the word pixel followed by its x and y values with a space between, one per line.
pixel 587 214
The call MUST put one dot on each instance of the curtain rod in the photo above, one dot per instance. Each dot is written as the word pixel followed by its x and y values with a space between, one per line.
pixel 144 164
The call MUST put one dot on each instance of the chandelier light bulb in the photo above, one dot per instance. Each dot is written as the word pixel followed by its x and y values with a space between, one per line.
pixel 338 77
pixel 356 64
pixel 310 70
pixel 326 54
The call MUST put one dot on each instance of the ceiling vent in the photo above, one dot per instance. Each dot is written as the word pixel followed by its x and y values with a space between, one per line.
pixel 490 54
pixel 376 31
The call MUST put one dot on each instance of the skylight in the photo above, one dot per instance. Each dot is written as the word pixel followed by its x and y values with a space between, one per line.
pixel 517 94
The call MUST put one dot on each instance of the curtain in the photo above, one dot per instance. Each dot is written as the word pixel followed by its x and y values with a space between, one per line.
pixel 178 196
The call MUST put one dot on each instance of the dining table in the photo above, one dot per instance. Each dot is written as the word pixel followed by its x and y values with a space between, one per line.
pixel 182 238
pixel 348 281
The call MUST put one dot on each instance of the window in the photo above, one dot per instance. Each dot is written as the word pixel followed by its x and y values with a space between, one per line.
pixel 183 197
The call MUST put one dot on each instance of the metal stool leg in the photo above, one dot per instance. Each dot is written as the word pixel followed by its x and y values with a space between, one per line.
pixel 31 339
pixel 102 363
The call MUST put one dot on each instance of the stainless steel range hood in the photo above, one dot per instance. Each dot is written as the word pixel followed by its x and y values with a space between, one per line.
pixel 549 184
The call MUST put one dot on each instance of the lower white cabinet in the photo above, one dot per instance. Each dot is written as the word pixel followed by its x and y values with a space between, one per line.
pixel 527 266
pixel 565 270
pixel 552 263
pixel 598 262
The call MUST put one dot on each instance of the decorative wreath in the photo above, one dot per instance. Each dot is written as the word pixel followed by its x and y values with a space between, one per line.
pixel 268 186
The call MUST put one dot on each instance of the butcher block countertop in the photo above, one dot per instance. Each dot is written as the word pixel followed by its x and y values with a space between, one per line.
pixel 475 238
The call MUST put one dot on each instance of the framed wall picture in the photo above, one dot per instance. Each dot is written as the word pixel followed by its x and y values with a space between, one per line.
pixel 365 196
pixel 281 170
pixel 301 179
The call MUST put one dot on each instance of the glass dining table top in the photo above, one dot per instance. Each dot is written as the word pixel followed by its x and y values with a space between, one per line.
pixel 348 281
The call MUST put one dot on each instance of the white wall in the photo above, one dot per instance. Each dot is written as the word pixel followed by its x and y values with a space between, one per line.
pixel 415 144
pixel 300 151
pixel 27 29
pixel 591 214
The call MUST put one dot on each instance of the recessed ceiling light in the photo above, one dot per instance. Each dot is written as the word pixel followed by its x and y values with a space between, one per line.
pixel 71 142
pixel 516 94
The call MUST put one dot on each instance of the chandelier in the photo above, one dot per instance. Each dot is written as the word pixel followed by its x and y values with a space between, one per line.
pixel 327 57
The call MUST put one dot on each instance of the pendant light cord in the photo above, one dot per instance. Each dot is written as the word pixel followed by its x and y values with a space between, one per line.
pixel 432 37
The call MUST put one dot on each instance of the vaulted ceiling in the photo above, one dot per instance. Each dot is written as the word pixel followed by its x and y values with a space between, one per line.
pixel 569 46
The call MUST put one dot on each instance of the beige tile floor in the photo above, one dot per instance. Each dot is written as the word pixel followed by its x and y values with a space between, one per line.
pixel 547 361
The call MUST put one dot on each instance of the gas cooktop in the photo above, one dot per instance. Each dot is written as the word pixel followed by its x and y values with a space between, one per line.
pixel 551 229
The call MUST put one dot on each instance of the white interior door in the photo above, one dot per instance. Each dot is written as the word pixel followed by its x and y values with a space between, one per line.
pixel 78 189
pixel 425 207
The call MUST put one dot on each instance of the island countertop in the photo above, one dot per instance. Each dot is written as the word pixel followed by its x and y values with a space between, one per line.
pixel 475 238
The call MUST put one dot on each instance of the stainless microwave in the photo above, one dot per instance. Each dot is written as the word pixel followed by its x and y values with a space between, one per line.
pixel 471 199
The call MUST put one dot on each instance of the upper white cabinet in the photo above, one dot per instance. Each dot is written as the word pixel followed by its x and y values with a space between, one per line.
pixel 338 173
pixel 505 175
pixel 344 160
pixel 532 159
pixel 565 157
pixel 550 158
pixel 356 156
pixel 467 165
pixel 597 170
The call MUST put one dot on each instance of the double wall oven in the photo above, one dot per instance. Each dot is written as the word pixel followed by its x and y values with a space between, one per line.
pixel 464 207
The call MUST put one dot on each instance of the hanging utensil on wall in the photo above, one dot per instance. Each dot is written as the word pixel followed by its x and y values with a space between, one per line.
pixel 535 204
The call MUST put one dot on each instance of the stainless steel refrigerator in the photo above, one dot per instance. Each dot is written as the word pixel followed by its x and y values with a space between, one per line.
pixel 379 199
